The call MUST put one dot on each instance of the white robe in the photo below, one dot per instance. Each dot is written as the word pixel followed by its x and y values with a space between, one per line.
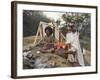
pixel 73 38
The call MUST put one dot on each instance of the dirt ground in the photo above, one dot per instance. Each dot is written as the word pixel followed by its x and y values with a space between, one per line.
pixel 52 59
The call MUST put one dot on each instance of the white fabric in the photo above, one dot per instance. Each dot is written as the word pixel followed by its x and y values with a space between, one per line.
pixel 73 38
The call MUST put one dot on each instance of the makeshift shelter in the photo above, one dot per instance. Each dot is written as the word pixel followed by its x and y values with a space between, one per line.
pixel 41 32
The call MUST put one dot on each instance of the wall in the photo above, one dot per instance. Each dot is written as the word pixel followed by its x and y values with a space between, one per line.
pixel 5 40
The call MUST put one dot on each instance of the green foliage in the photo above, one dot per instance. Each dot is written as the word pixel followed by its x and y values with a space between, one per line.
pixel 31 20
pixel 82 24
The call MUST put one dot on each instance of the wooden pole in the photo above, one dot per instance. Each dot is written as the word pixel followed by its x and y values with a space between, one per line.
pixel 36 35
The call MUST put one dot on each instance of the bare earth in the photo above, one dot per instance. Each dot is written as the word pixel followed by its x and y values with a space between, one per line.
pixel 52 60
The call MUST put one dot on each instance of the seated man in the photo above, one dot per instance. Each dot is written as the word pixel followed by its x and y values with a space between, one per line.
pixel 71 52
pixel 48 41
